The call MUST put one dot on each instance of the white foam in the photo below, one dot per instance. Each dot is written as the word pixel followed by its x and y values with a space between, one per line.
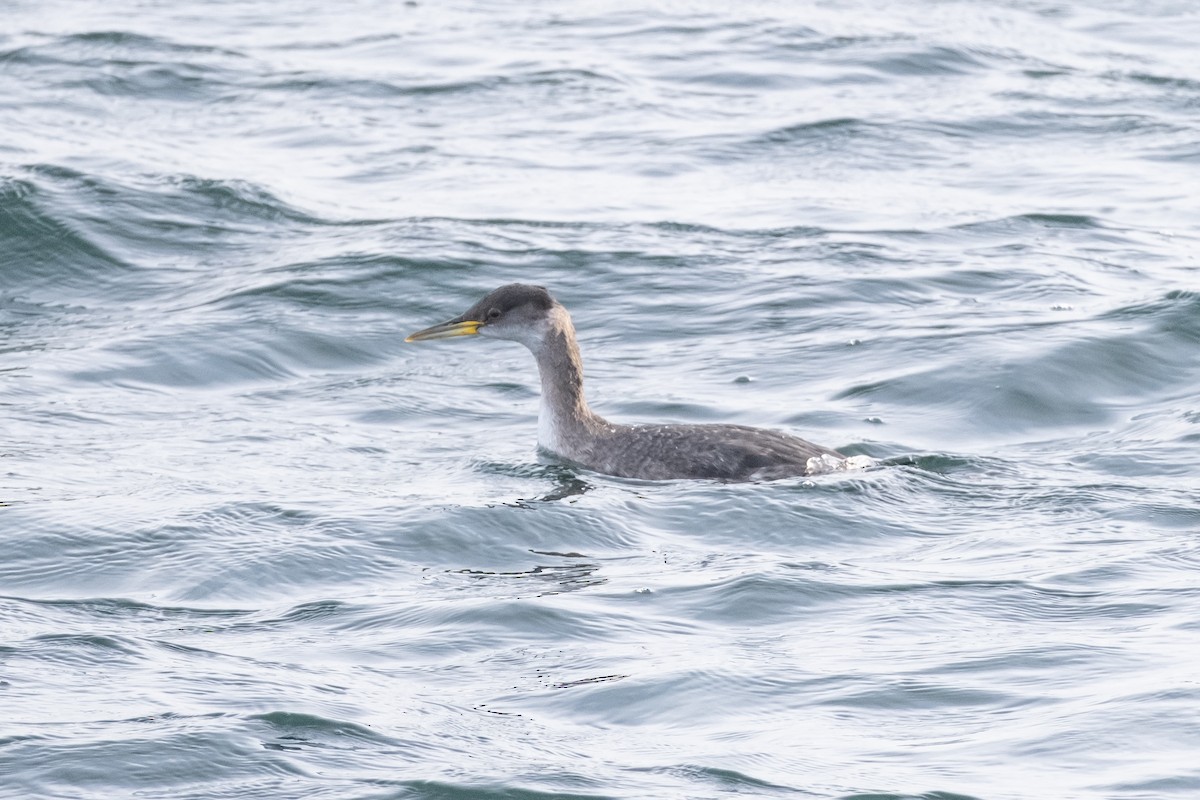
pixel 825 463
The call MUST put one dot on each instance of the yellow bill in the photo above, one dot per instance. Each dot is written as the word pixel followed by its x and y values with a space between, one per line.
pixel 446 330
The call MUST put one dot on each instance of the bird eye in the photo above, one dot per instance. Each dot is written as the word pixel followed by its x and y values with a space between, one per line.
pixel 493 314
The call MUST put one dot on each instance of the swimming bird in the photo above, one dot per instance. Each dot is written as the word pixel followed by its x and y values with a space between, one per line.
pixel 570 430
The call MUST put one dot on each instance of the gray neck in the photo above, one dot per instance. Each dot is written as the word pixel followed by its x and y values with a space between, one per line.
pixel 565 422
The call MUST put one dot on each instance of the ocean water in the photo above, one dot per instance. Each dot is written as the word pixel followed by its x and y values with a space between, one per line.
pixel 252 545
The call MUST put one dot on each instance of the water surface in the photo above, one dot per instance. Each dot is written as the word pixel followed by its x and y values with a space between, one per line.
pixel 255 546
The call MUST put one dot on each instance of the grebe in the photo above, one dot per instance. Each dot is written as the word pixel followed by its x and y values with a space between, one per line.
pixel 570 430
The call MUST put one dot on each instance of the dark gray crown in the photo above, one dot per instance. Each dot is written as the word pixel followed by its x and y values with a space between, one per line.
pixel 506 298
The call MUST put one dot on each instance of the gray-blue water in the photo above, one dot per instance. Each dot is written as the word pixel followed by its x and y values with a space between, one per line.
pixel 252 545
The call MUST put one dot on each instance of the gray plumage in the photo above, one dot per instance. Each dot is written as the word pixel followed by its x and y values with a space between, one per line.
pixel 570 430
